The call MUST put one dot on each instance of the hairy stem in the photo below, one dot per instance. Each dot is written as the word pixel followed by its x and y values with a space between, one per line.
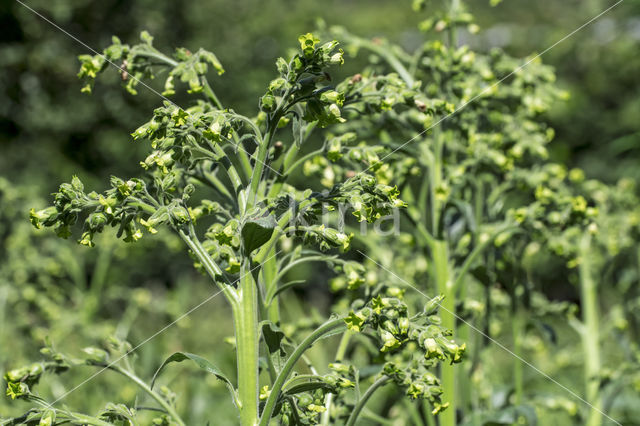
pixel 591 333
pixel 208 91
pixel 340 352
pixel 319 333
pixel 245 318
pixel 445 287
pixel 365 397
pixel 270 277
pixel 213 270
pixel 159 399
pixel 390 58
pixel 518 330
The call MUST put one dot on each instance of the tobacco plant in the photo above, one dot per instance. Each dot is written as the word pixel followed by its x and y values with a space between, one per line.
pixel 470 158
pixel 220 181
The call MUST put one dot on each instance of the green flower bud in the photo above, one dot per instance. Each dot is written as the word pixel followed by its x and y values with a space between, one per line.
pixel 45 216
pixel 403 325
pixel 264 393
pixel 304 400
pixel 96 221
pixel 96 356
pixel 332 97
pixel 268 103
pixel 389 341
pixel 337 58
pixel 438 407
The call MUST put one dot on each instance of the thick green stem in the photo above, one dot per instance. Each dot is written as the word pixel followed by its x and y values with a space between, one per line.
pixel 435 183
pixel 445 287
pixel 591 333
pixel 269 275
pixel 361 403
pixel 318 334
pixel 245 318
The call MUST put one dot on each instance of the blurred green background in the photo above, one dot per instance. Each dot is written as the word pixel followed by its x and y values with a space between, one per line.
pixel 49 131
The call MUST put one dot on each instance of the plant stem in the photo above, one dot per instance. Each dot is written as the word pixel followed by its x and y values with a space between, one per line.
pixel 156 54
pixel 435 183
pixel 445 287
pixel 213 270
pixel 342 349
pixel 270 275
pixel 476 252
pixel 86 420
pixel 317 334
pixel 97 281
pixel 376 418
pixel 210 93
pixel 365 397
pixel 453 31
pixel 518 330
pixel 385 53
pixel 168 407
pixel 233 175
pixel 245 318
pixel 591 333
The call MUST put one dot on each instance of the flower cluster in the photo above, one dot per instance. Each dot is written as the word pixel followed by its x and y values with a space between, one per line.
pixel 413 344
pixel 138 61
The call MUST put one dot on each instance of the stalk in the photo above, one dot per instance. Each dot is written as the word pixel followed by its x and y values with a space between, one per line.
pixel 342 349
pixel 517 330
pixel 436 181
pixel 591 333
pixel 465 384
pixel 269 275
pixel 361 403
pixel 210 93
pixel 453 31
pixel 165 405
pixel 390 58
pixel 317 334
pixel 445 286
pixel 97 281
pixel 258 167
pixel 245 318
pixel 234 177
pixel 443 280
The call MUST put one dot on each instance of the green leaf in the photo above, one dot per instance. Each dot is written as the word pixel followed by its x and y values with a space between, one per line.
pixel 308 386
pixel 257 231
pixel 202 363
pixel 273 336
pixel 284 287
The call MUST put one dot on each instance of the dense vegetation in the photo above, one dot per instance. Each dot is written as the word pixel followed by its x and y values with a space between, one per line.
pixel 421 227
